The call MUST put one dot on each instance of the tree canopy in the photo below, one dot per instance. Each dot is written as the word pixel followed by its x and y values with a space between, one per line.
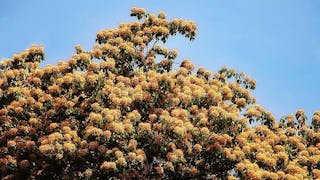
pixel 124 110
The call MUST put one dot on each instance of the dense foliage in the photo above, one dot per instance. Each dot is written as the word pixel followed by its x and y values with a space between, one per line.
pixel 123 110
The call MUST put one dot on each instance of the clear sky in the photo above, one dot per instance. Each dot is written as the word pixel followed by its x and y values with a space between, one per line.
pixel 275 42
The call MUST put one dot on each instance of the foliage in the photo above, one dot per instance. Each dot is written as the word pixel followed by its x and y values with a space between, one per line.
pixel 122 111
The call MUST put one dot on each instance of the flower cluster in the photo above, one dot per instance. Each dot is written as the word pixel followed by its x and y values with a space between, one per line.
pixel 122 111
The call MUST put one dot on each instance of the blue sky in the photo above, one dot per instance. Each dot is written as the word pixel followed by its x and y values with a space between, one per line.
pixel 275 42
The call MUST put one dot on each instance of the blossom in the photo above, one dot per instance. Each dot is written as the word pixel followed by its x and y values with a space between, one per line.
pixel 126 102
pixel 69 147
pixel 140 158
pixel 59 156
pixel 30 144
pixel 138 11
pixel 117 127
pixel 187 64
pixel 108 166
pixel 179 131
pixel 92 78
pixel 88 172
pixel 132 155
pixel 169 166
pixel 316 173
pixel 159 170
pixel 55 136
pixel 132 144
pixel 205 131
pixel 179 153
pixel 46 149
pixel 11 144
pixel 95 117
pixel 128 127
pixel 172 157
pixel 241 101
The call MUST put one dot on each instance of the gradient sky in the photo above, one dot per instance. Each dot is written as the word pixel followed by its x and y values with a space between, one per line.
pixel 275 42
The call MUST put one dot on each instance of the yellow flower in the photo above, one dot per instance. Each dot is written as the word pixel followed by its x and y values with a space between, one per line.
pixel 93 131
pixel 9 74
pixel 316 118
pixel 138 40
pixel 145 126
pixel 179 131
pixel 169 166
pixel 67 137
pixel 280 174
pixel 273 176
pixel 33 121
pixel 121 161
pixel 46 149
pixel 199 93
pixel 172 157
pixel 55 136
pixel 84 56
pixel 179 153
pixel 109 117
pixel 88 172
pixel 117 127
pixel 128 127
pixel 187 64
pixel 59 156
pixel 214 113
pixel 67 79
pixel 178 122
pixel 152 117
pixel 140 158
pixel 241 166
pixel 95 117
pixel 292 177
pixel 316 173
pixel 300 112
pixel 18 109
pixel 116 101
pixel 132 155
pixel 159 170
pixel 138 11
pixel 66 129
pixel 204 131
pixel 172 146
pixel 69 147
pixel 278 148
pixel 294 140
pixel 253 174
pixel 132 144
pixel 93 66
pixel 95 107
pixel 225 90
pixel 126 101
pixel 118 154
pixel 59 81
pixel 30 144
pixel 97 53
pixel 314 159
pixel 11 144
pixel 270 161
pixel 197 147
pixel 240 101
pixel 231 178
pixel 108 166
pixel 294 169
pixel 92 78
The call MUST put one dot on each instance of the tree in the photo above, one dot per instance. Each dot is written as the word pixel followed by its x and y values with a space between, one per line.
pixel 122 110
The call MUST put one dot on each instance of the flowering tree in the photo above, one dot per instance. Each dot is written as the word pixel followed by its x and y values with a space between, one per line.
pixel 122 110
